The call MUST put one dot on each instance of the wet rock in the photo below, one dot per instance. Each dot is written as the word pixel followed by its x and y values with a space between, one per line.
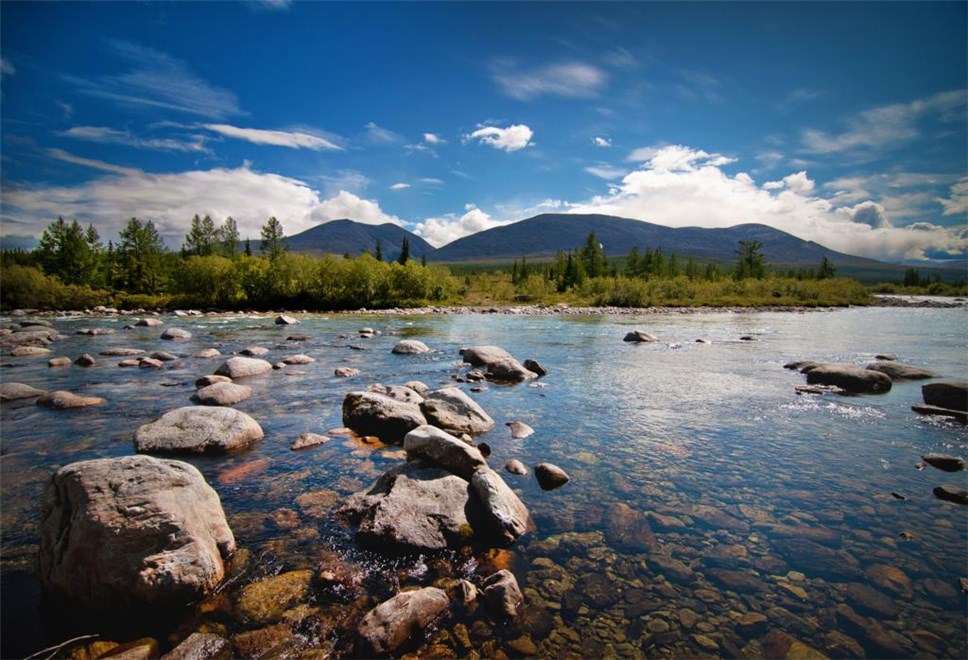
pixel 398 392
pixel 176 334
pixel 149 363
pixel 672 568
pixel 317 504
pixel 266 601
pixel 850 379
pixel 871 601
pixel 61 400
pixel 417 386
pixel 751 624
pixel 948 493
pixel 816 560
pixel 519 430
pixel 945 462
pixel 502 593
pixel 299 359
pixel 627 529
pixel 891 578
pixel 270 642
pixel 369 413
pixel 254 351
pixel 550 476
pixel 952 395
pixel 122 352
pixel 198 430
pixel 346 372
pixel 498 364
pixel 869 631
pixel 59 362
pixel 30 351
pixel 716 518
pixel 451 409
pixel 778 644
pixel 507 516
pixel 410 347
pixel 886 356
pixel 205 381
pixel 665 523
pixel 85 360
pixel 839 645
pixel 145 648
pixel 393 623
pixel 444 450
pixel 17 391
pixel 739 581
pixel 307 440
pixel 640 336
pixel 283 319
pixel 96 331
pixel 726 555
pixel 523 646
pixel 243 367
pixel 899 371
pixel 514 466
pixel 128 363
pixel 163 356
pixel 132 531
pixel 598 590
pixel 201 646
pixel 535 367
pixel 149 323
pixel 940 412
pixel 207 353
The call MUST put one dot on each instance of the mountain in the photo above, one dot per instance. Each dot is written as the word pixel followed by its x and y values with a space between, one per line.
pixel 348 236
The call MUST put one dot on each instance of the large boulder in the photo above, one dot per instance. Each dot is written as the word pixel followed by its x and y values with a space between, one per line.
pixel 507 516
pixel 132 531
pixel 222 394
pixel 391 624
pixel 442 449
pixel 176 334
pixel 850 379
pixel 952 395
pixel 243 367
pixel 450 408
pixel 198 430
pixel 15 391
pixel 410 347
pixel 899 371
pixel 498 364
pixel 371 413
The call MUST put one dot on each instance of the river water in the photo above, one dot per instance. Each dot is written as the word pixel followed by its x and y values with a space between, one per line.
pixel 703 488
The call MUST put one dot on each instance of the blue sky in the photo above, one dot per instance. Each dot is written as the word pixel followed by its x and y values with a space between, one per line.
pixel 843 123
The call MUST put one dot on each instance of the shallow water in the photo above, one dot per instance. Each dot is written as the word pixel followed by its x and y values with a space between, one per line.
pixel 758 500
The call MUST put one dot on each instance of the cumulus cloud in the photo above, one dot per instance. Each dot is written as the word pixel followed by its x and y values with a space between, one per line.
pixel 348 205
pixel 291 139
pixel 679 186
pixel 957 202
pixel 105 135
pixel 569 79
pixel 434 139
pixel 400 186
pixel 512 138
pixel 603 142
pixel 446 229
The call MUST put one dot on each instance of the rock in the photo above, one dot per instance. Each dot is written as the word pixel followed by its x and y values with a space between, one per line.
pixel 945 462
pixel 499 365
pixel 451 409
pixel 550 476
pixel 298 359
pixel 340 580
pixel 800 365
pixel 96 331
pixel 346 372
pixel 640 336
pixel 507 515
pixel 243 367
pixel 898 371
pixel 222 394
pixel 128 363
pixel 413 507
pixel 523 646
pixel 149 363
pixel 751 624
pixel 948 493
pixel 535 366
pixel 59 362
pixel 85 360
pixel 176 334
pixel 417 386
pixel 778 644
pixel 817 560
pixel 205 381
pixel 514 466
pixel 298 338
pixel 266 601
pixel 519 430
pixel 163 356
pixel 17 391
pixel 282 319
pixel 309 440
pixel 672 568
pixel 206 353
pixel 410 347
pixel 941 412
pixel 198 430
pixel 149 323
pixel 398 392
pixel 502 593
pixel 122 352
pixel 393 623
pixel 132 531
pixel 201 646
pixel 627 529
pixel 369 413
pixel 949 394
pixel 275 641
pixel 254 351
pixel 443 450
pixel 871 601
pixel 29 351
pixel 886 356
pixel 850 379
pixel 61 400
pixel 739 581
pixel 145 648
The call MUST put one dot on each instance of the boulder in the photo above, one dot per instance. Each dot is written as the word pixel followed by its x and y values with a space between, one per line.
pixel 59 362
pixel 205 381
pixel 550 476
pixel 16 391
pixel 61 400
pixel 400 393
pixel 163 356
pixel 222 394
pixel 514 466
pixel 149 323
pixel 283 319
pixel 800 365
pixel 370 413
pixel 899 371
pixel 128 363
pixel 507 516
pixel 401 619
pixel 950 493
pixel 952 395
pixel 132 531
pixel 945 462
pixel 243 367
pixel 30 351
pixel 850 379
pixel 640 336
pixel 206 353
pixel 254 351
pixel 502 593
pixel 85 360
pixel 198 430
pixel 535 367
pixel 519 430
pixel 450 408
pixel 308 439
pixel 176 334
pixel 298 359
pixel 201 646
pixel 444 450
pixel 149 363
pixel 346 372
pixel 498 364
pixel 410 347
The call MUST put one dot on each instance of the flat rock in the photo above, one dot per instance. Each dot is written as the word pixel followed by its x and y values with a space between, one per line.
pixel 123 352
pixel 30 351
pixel 410 347
pixel 266 601
pixel 950 493
pixel 952 395
pixel 16 391
pixel 201 646
pixel 850 379
pixel 346 372
pixel 198 430
pixel 393 623
pixel 451 409
pixel 550 476
pixel 640 336
pixel 871 601
pixel 514 466
pixel 672 568
pixel 163 356
pixel 298 359
pixel 370 413
pixel 132 531
pixel 283 319
pixel 519 430
pixel 243 367
pixel 207 353
pixel 96 331
pixel 940 412
pixel 307 440
pixel 508 517
pixel 62 400
pixel 176 334
pixel 149 323
pixel 254 351
pixel 443 450
pixel 150 363
pixel 59 362
pixel 738 581
pixel 899 371
pixel 222 394
pixel 945 462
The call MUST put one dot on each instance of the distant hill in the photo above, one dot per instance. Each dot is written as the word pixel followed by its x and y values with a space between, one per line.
pixel 355 238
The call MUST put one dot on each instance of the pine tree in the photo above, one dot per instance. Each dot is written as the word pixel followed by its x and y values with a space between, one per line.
pixel 750 262
pixel 248 247
pixel 826 270
pixel 228 238
pixel 273 239
pixel 201 238
pixel 140 254
pixel 64 251
pixel 404 252
pixel 379 251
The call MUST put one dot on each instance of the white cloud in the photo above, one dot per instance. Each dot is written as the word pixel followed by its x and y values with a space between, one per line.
pixel 6 68
pixel 431 181
pixel 291 139
pixel 434 139
pixel 381 136
pixel 957 203
pixel 603 142
pixel 105 135
pixel 606 171
pixel 512 138
pixel 570 79
pixel 345 179
pixel 348 205
pixel 681 187
pixel 59 154
pixel 446 229
pixel 400 186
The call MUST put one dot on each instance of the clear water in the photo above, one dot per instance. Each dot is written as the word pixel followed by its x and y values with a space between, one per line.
pixel 790 495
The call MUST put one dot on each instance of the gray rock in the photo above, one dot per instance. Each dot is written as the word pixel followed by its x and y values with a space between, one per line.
pixel 59 362
pixel 514 466
pixel 443 450
pixel 898 371
pixel 201 646
pixel 410 347
pixel 502 593
pixel 134 530
pixel 298 359
pixel 85 360
pixel 952 395
pixel 123 352
pixel 886 356
pixel 207 353
pixel 498 364
pixel 550 476
pixel 369 413
pixel 176 334
pixel 850 379
pixel 163 356
pixel 129 363
pixel 149 323
pixel 198 430
pixel 149 363
pixel 950 493
pixel 417 386
pixel 535 367
pixel 16 391
pixel 391 624
pixel 254 351
pixel 519 430
pixel 61 400
pixel 30 351
pixel 945 462
pixel 307 440
pixel 507 516
pixel 96 331
pixel 205 381
pixel 283 319
pixel 222 394
pixel 640 336
pixel 243 367
pixel 451 409
pixel 401 393
pixel 346 372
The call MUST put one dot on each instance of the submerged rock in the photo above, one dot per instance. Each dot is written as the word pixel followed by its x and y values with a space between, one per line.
pixel 16 391
pixel 61 400
pixel 451 409
pixel 243 367
pixel 950 493
pixel 201 646
pixel 370 413
pixel 502 593
pixel 410 347
pixel 850 379
pixel 198 430
pixel 945 462
pixel 898 371
pixel 640 336
pixel 393 623
pixel 132 531
pixel 550 476
pixel 266 601
pixel 952 395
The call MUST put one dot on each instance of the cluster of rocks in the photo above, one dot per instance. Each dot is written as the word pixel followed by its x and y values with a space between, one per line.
pixel 874 378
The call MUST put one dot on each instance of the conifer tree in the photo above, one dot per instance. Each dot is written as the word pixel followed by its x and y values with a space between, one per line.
pixel 404 252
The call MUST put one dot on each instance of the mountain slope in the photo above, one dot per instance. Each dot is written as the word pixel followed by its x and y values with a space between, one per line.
pixel 348 236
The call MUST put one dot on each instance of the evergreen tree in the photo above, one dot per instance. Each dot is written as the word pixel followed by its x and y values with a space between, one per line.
pixel 273 239
pixel 912 277
pixel 593 258
pixel 140 253
pixel 64 251
pixel 404 252
pixel 423 260
pixel 228 238
pixel 750 262
pixel 826 270
pixel 248 247
pixel 201 238
pixel 632 262
pixel 379 251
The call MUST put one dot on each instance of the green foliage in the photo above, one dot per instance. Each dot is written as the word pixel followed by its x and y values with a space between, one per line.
pixel 378 255
pixel 227 237
pixel 139 257
pixel 202 238
pixel 750 263
pixel 66 251
pixel 826 270
pixel 209 281
pixel 404 252
pixel 273 239
pixel 28 287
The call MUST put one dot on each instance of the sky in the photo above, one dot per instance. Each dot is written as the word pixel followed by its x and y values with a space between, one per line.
pixel 842 123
